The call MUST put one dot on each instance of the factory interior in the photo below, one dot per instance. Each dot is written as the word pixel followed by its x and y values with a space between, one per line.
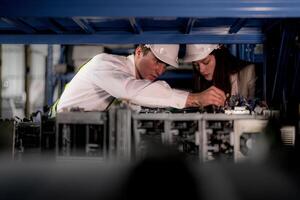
pixel 247 148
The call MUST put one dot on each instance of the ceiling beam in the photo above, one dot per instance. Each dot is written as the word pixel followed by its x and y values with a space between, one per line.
pixel 84 25
pixel 170 38
pixel 237 25
pixel 189 25
pixel 135 26
pixel 50 23
pixel 153 8
pixel 18 25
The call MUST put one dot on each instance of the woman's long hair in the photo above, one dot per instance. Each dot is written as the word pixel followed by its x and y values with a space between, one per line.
pixel 226 65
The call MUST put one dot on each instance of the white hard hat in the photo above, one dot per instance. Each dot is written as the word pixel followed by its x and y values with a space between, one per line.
pixel 167 53
pixel 196 52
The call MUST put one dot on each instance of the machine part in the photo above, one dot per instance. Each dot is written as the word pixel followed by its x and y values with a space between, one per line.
pixel 218 143
pixel 178 131
pixel 288 135
pixel 48 135
pixel 206 136
pixel 148 133
pixel 28 139
pixel 81 135
pixel 7 139
pixel 186 136
pixel 249 139
pixel 247 143
pixel 123 134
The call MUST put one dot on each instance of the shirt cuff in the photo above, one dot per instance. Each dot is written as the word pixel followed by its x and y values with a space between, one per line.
pixel 179 98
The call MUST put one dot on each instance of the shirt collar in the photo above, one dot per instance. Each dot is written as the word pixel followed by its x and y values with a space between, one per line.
pixel 131 64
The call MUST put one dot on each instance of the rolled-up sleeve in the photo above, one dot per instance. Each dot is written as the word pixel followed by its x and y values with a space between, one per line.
pixel 160 94
pixel 123 85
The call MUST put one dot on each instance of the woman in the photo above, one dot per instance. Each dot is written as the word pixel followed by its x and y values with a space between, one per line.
pixel 215 66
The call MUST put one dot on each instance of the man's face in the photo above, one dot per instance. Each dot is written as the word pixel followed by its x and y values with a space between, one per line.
pixel 206 67
pixel 147 65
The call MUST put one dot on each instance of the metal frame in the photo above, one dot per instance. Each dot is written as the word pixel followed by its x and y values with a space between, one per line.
pixel 49 77
pixel 123 134
pixel 119 8
pixel 246 126
pixel 167 135
pixel 127 38
pixel 223 117
pixel 201 134
pixel 82 118
pixel 132 21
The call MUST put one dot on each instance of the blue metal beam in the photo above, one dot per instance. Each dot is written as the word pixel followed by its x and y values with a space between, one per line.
pixel 264 74
pixel 84 25
pixel 288 36
pixel 189 25
pixel 49 77
pixel 18 24
pixel 237 25
pixel 246 52
pixel 135 26
pixel 51 25
pixel 295 83
pixel 132 38
pixel 137 8
pixel 270 25
pixel 280 57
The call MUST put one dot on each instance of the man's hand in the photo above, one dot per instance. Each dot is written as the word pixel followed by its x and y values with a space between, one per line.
pixel 210 96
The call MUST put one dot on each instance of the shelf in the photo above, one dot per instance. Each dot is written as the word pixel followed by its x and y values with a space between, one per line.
pixel 134 21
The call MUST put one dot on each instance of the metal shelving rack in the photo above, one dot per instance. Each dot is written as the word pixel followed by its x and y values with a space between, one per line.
pixel 174 21
pixel 134 21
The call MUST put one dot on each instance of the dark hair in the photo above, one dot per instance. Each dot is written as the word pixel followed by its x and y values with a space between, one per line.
pixel 145 49
pixel 226 65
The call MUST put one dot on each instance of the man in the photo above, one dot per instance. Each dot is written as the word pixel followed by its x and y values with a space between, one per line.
pixel 106 77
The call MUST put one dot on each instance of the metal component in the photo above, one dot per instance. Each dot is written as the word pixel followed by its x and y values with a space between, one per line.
pixel 288 135
pixel 166 37
pixel 97 118
pixel 296 79
pixel 148 135
pixel 175 8
pixel 84 25
pixel 112 132
pixel 1 85
pixel 49 22
pixel 135 26
pixel 217 144
pixel 115 22
pixel 206 136
pixel 82 134
pixel 49 77
pixel 123 134
pixel 48 135
pixel 18 24
pixel 264 75
pixel 238 24
pixel 249 139
pixel 27 140
pixel 7 139
pixel 27 78
pixel 189 25
pixel 286 45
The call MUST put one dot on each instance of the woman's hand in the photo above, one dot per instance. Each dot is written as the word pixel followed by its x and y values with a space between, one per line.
pixel 210 96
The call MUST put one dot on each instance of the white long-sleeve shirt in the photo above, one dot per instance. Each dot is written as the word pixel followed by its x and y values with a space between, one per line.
pixel 106 77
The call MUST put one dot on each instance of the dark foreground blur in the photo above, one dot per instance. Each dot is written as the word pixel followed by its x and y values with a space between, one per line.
pixel 167 175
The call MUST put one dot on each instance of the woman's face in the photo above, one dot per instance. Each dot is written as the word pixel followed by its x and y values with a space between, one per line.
pixel 206 66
